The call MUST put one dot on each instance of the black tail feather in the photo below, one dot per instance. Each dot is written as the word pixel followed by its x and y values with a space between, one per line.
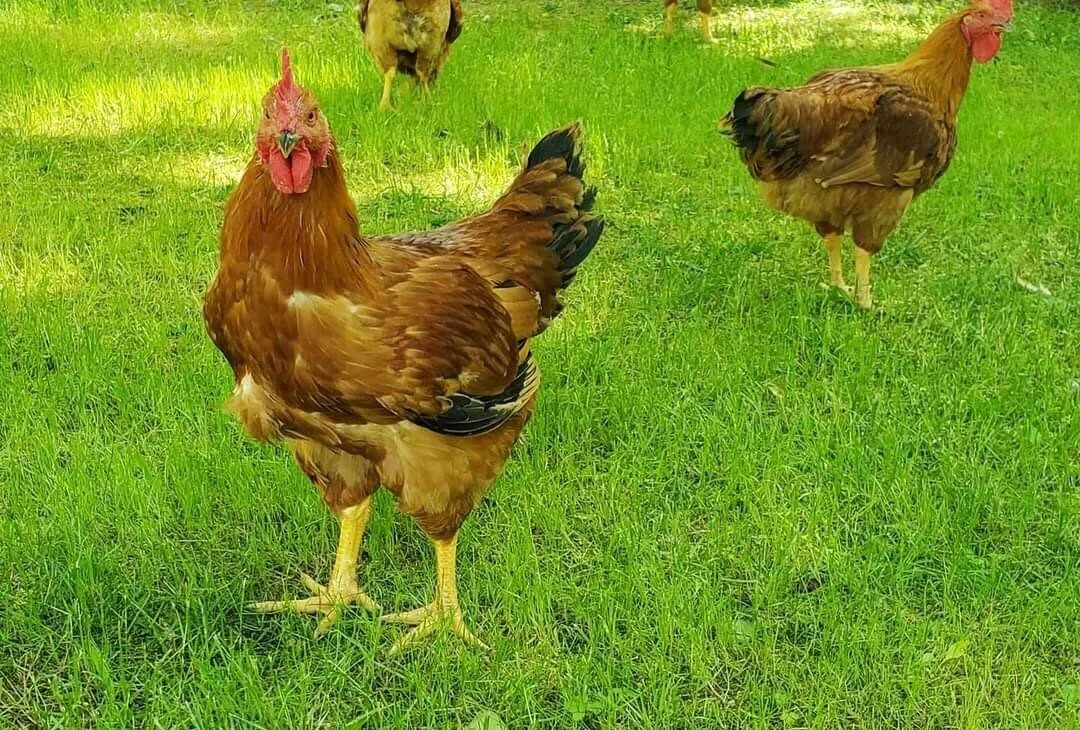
pixel 563 143
pixel 769 151
pixel 741 127
pixel 471 415
pixel 569 261
pixel 573 241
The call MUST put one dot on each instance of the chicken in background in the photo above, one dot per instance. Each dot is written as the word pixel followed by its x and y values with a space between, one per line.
pixel 400 361
pixel 849 150
pixel 410 36
pixel 704 14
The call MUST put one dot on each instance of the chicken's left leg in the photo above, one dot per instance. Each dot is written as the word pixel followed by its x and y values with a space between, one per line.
pixel 388 85
pixel 862 278
pixel 833 242
pixel 444 610
pixel 342 589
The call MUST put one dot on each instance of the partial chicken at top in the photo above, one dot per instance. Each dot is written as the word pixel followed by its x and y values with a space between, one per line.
pixel 851 149
pixel 410 36
pixel 401 360
pixel 671 10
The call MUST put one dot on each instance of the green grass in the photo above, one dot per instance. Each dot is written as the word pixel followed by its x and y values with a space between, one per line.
pixel 742 503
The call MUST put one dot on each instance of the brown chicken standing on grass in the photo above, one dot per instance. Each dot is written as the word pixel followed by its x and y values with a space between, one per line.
pixel 851 149
pixel 395 360
pixel 704 14
pixel 410 36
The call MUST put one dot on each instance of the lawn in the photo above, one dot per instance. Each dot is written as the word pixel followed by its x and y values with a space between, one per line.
pixel 743 503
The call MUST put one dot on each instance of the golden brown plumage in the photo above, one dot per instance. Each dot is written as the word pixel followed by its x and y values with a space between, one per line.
pixel 850 149
pixel 671 8
pixel 410 36
pixel 396 360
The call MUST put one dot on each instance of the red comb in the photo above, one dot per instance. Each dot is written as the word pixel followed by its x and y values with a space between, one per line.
pixel 286 91
pixel 1004 8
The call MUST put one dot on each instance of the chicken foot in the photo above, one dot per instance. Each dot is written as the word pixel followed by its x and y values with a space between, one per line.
pixel 443 611
pixel 342 588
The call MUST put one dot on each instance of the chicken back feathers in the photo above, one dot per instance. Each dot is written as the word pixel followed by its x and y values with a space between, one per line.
pixel 851 126
pixel 534 237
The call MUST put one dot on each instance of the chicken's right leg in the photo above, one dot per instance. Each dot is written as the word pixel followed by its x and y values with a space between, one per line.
pixel 833 242
pixel 388 84
pixel 444 610
pixel 342 589
pixel 706 27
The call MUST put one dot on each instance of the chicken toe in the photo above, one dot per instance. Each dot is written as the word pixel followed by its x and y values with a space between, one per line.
pixel 329 601
pixel 429 619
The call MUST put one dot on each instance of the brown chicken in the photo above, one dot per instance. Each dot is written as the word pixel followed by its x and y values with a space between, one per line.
pixel 704 14
pixel 851 149
pixel 410 36
pixel 400 361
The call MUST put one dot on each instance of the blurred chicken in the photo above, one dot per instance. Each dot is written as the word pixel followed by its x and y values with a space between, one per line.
pixel 851 149
pixel 411 36
pixel 394 360
pixel 704 15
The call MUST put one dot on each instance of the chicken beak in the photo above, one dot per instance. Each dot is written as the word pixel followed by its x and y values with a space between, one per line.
pixel 1005 26
pixel 286 142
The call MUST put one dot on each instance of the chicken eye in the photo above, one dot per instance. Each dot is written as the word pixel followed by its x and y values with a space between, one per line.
pixel 312 116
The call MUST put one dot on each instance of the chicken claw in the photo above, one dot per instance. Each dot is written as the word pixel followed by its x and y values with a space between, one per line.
pixel 324 600
pixel 429 619
pixel 342 589
pixel 444 611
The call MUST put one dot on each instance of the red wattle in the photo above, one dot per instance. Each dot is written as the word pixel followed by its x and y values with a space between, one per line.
pixel 301 169
pixel 280 171
pixel 292 175
pixel 985 47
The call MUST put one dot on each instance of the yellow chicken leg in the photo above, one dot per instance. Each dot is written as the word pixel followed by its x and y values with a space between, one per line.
pixel 833 243
pixel 342 588
pixel 388 84
pixel 443 611
pixel 706 27
pixel 862 278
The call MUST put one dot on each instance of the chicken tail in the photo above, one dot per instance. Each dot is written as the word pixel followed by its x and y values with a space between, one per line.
pixel 553 221
pixel 770 151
